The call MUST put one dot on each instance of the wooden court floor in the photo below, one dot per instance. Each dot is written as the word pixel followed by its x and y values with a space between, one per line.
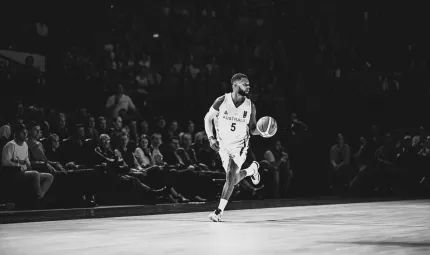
pixel 401 227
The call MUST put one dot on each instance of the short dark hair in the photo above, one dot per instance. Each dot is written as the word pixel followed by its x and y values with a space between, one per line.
pixel 116 118
pixel 238 77
pixel 19 128
pixel 187 134
pixel 123 133
pixel 154 135
pixel 173 138
pixel 32 124
pixel 144 137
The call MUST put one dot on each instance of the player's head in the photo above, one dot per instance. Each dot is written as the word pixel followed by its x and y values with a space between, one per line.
pixel 240 84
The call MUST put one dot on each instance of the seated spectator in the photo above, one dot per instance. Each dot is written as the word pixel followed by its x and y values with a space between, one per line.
pixel 142 152
pixel 144 128
pixel 189 154
pixel 155 173
pixel 133 131
pixel 37 153
pixel 102 127
pixel 60 128
pixel 76 150
pixel 17 167
pixel 117 169
pixel 341 172
pixel 191 127
pixel 91 132
pixel 80 183
pixel 279 167
pixel 207 155
pixel 56 153
pixel 175 156
pixel 156 141
pixel 186 172
pixel 160 126
pixel 173 129
pixel 5 134
pixel 115 131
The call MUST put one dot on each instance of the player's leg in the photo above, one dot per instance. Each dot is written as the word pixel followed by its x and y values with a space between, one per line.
pixel 252 171
pixel 231 179
pixel 233 176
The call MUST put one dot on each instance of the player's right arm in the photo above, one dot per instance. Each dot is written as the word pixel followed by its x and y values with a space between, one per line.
pixel 212 113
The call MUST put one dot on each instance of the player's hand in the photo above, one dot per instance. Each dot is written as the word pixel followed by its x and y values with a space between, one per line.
pixel 214 143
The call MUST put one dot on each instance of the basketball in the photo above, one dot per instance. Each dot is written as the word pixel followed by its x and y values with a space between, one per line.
pixel 267 126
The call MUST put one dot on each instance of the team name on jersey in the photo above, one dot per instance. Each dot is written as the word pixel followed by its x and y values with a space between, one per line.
pixel 233 119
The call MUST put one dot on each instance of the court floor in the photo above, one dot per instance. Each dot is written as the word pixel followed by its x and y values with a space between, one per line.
pixel 401 227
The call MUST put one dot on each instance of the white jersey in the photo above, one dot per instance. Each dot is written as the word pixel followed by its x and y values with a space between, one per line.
pixel 231 123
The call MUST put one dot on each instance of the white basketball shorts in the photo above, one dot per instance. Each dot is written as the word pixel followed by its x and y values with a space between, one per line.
pixel 236 154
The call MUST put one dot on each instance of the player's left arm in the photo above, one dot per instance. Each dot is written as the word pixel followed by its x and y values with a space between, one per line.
pixel 253 122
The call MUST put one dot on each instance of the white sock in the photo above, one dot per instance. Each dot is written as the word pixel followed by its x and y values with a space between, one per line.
pixel 250 170
pixel 222 204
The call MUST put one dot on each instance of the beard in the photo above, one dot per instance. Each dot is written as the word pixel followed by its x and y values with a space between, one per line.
pixel 243 93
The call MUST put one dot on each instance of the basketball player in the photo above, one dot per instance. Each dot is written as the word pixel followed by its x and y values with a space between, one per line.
pixel 234 117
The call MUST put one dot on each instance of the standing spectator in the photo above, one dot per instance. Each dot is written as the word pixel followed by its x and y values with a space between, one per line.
pixel 119 101
pixel 280 167
pixel 391 174
pixel 364 159
pixel 340 172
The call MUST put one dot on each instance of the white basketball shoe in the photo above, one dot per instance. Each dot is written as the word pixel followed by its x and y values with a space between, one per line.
pixel 216 215
pixel 255 178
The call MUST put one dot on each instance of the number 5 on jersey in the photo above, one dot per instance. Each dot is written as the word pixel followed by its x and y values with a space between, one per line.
pixel 233 127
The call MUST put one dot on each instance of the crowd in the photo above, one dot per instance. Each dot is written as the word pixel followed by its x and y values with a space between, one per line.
pixel 390 163
pixel 173 59
pixel 90 160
